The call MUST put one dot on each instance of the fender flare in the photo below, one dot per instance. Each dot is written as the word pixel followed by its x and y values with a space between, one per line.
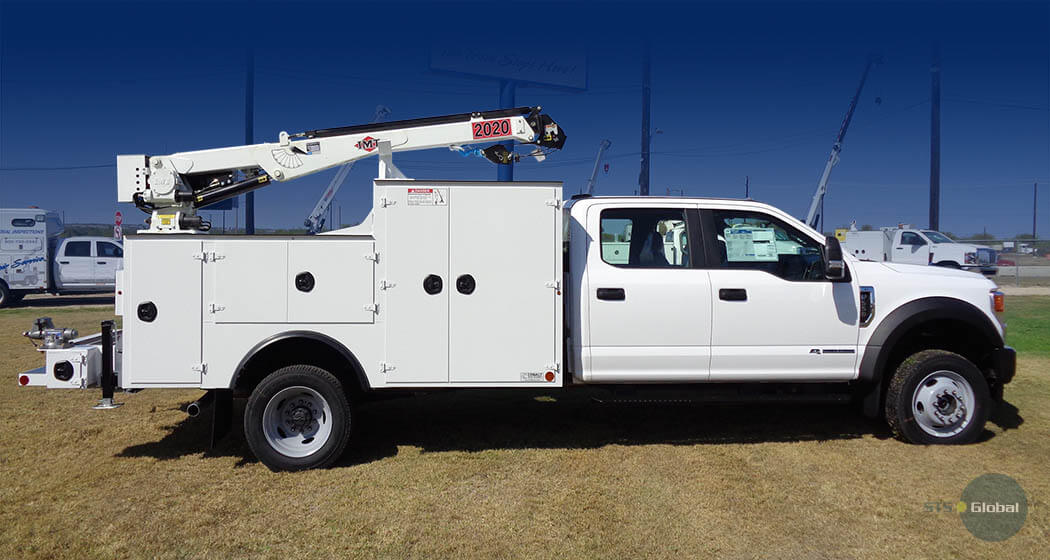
pixel 332 343
pixel 889 332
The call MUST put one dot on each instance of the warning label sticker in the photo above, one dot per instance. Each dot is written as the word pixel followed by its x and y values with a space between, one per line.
pixel 426 197
pixel 531 376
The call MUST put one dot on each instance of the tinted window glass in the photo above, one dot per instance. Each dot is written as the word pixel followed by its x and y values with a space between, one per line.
pixel 645 237
pixel 78 249
pixel 108 250
pixel 23 222
pixel 911 238
pixel 750 240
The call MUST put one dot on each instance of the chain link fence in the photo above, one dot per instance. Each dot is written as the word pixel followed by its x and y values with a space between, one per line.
pixel 1021 262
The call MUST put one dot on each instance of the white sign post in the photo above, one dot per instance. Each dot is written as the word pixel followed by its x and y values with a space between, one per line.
pixel 118 222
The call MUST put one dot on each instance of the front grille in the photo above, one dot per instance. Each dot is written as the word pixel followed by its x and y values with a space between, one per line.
pixel 986 256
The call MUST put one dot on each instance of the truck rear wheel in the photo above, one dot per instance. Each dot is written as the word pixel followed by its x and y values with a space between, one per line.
pixel 298 418
pixel 937 397
pixel 5 295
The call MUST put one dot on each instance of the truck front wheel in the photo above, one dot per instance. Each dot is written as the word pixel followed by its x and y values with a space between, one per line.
pixel 937 397
pixel 298 418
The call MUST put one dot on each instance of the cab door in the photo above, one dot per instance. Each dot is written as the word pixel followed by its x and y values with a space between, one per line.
pixel 648 300
pixel 911 249
pixel 774 315
pixel 108 258
pixel 75 263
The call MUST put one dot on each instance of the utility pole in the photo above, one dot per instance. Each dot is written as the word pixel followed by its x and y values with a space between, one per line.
pixel 643 175
pixel 935 141
pixel 249 135
pixel 747 186
pixel 1035 204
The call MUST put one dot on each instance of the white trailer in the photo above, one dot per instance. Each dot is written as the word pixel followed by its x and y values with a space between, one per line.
pixel 452 284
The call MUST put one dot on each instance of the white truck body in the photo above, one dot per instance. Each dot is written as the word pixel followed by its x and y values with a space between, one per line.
pixel 34 258
pixel 453 284
pixel 922 247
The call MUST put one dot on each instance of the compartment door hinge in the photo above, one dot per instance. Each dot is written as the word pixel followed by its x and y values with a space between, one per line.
pixel 201 368
pixel 553 202
pixel 208 256
pixel 384 285
pixel 553 284
pixel 215 308
pixel 384 202
pixel 374 257
pixel 373 307
pixel 385 367
pixel 552 367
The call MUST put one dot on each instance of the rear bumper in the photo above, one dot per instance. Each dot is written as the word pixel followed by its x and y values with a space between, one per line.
pixel 1004 363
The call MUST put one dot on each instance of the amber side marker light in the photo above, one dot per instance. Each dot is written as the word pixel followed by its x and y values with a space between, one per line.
pixel 998 301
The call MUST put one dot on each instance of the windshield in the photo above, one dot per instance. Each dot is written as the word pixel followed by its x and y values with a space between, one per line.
pixel 937 237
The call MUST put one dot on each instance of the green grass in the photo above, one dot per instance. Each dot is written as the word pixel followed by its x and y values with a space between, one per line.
pixel 1028 324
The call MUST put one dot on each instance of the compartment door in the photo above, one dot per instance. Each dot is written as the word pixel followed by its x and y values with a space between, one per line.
pixel 246 281
pixel 415 231
pixel 504 243
pixel 167 349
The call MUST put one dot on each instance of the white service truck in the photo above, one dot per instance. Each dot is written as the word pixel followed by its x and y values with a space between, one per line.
pixel 452 284
pixel 34 258
pixel 919 246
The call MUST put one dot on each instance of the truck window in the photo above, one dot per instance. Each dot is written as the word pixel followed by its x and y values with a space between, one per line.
pixel 105 249
pixel 78 249
pixel 937 237
pixel 754 241
pixel 912 238
pixel 645 237
pixel 23 222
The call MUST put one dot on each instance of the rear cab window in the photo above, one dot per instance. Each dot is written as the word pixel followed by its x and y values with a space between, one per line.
pixel 77 249
pixel 645 237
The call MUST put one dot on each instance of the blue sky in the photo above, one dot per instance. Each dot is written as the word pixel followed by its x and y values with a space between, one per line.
pixel 751 89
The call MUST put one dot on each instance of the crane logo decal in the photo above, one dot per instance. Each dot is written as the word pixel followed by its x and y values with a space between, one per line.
pixel 367 143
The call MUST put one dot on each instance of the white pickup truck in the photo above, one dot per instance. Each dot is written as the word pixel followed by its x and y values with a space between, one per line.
pixel 34 258
pixel 460 285
pixel 307 327
pixel 915 246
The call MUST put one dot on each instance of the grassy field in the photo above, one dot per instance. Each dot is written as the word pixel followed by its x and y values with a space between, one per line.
pixel 504 474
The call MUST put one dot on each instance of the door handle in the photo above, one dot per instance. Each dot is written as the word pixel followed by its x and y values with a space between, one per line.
pixel 63 262
pixel 612 294
pixel 732 294
pixel 100 262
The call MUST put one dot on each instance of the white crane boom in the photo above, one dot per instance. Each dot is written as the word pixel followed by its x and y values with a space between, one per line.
pixel 315 221
pixel 172 187
pixel 816 207
pixel 597 163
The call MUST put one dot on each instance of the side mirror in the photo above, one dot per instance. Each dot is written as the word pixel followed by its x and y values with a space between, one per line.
pixel 834 266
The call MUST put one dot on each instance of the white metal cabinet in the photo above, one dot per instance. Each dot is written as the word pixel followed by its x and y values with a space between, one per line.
pixel 245 281
pixel 341 280
pixel 507 240
pixel 413 224
pixel 162 271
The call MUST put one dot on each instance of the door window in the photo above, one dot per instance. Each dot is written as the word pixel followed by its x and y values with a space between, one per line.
pixel 106 249
pixel 645 237
pixel 912 238
pixel 750 240
pixel 78 249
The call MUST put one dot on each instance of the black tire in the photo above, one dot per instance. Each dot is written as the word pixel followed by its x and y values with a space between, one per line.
pixel 15 297
pixel 312 378
pixel 926 365
pixel 5 295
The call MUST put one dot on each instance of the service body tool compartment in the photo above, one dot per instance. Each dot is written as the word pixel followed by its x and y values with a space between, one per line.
pixel 161 311
pixel 472 273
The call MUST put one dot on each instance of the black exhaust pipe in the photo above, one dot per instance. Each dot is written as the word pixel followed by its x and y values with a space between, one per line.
pixel 195 408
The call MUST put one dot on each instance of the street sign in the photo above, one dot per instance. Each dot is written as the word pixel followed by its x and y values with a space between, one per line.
pixel 118 218
pixel 118 232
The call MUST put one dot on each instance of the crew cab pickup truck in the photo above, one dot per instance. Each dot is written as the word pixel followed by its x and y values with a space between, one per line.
pixel 34 258
pixel 473 285
pixel 913 246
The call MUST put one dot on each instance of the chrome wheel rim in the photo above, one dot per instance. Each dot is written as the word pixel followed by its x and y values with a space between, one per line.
pixel 297 421
pixel 943 404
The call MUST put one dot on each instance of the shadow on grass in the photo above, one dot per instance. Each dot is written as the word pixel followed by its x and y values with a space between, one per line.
pixel 479 420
